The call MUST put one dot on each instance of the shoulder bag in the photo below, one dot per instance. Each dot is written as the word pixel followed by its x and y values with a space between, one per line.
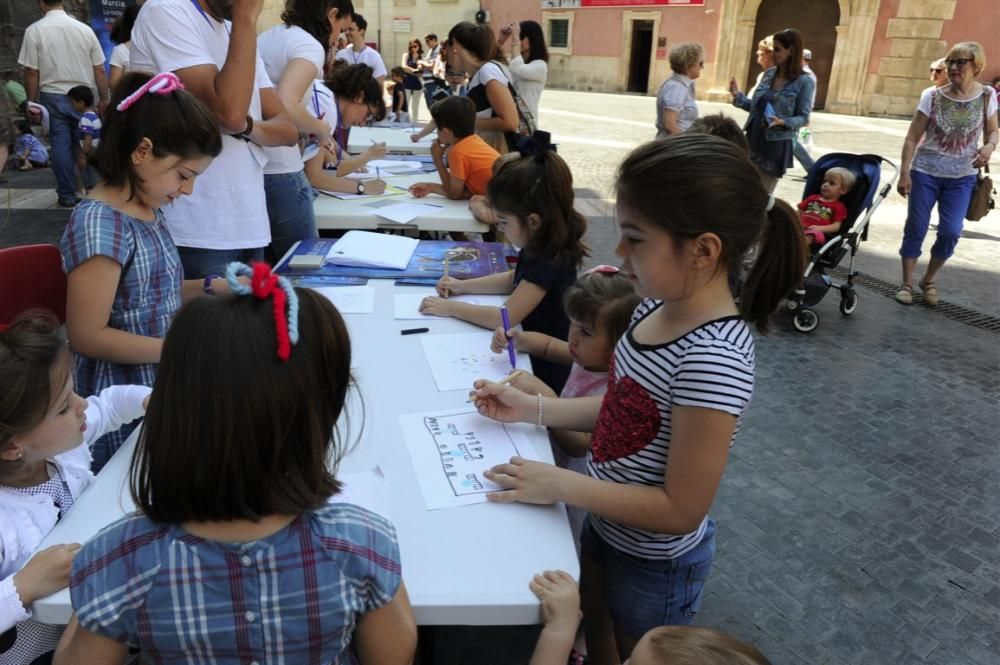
pixel 982 200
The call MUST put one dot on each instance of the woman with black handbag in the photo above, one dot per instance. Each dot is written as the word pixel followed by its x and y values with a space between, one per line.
pixel 411 78
pixel 941 170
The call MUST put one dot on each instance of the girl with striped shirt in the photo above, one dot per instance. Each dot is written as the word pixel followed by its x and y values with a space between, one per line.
pixel 681 378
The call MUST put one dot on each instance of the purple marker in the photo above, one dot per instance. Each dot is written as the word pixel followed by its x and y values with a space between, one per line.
pixel 510 340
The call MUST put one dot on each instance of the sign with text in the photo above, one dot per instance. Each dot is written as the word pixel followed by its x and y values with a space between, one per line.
pixel 605 4
pixel 102 15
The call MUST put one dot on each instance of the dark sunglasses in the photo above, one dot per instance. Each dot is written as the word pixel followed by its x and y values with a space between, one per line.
pixel 957 62
pixel 937 70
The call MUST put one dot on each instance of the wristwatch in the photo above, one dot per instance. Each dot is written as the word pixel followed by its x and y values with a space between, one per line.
pixel 361 187
pixel 245 134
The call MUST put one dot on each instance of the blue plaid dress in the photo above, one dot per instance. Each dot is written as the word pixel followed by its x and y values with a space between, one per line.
pixel 148 295
pixel 292 597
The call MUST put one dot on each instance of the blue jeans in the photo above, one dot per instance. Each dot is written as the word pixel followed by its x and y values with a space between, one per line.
pixel 290 210
pixel 952 197
pixel 199 262
pixel 801 154
pixel 430 87
pixel 64 136
pixel 645 593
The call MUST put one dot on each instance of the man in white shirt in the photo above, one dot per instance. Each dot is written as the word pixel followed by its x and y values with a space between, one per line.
pixel 800 151
pixel 225 218
pixel 427 67
pixel 59 53
pixel 359 53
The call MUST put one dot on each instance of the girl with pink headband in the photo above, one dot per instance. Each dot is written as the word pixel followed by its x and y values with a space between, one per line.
pixel 125 279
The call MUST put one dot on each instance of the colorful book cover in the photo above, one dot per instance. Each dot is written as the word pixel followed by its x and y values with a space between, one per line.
pixel 465 260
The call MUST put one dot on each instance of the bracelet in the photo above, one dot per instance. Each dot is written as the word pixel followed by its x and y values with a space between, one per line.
pixel 206 286
pixel 245 134
pixel 539 422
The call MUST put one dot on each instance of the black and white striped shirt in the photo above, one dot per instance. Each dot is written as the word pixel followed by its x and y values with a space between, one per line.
pixel 711 366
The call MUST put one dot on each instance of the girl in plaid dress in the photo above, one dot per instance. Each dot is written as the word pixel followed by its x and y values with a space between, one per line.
pixel 237 555
pixel 125 279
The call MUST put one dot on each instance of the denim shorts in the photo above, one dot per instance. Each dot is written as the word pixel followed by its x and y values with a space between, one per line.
pixel 645 593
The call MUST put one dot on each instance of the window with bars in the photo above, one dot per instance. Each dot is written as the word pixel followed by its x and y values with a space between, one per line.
pixel 559 33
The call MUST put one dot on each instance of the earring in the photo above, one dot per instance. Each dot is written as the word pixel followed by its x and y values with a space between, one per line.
pixel 20 454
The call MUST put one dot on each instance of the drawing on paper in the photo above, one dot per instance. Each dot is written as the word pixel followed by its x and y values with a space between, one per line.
pixel 465 454
pixel 458 359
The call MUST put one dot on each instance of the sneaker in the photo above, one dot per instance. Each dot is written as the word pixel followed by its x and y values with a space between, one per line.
pixel 905 295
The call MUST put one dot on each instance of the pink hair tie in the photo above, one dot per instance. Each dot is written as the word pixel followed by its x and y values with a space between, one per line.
pixel 604 269
pixel 161 84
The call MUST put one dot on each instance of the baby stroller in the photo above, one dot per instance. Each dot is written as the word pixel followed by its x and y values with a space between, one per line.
pixel 861 202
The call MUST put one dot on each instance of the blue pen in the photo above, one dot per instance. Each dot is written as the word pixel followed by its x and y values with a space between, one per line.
pixel 510 340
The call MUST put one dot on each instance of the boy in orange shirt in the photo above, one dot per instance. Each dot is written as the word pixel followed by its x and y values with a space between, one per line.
pixel 470 158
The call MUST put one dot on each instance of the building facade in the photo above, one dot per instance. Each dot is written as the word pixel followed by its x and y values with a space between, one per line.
pixel 871 56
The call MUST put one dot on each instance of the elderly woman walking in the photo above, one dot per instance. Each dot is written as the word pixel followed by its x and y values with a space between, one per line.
pixel 942 169
pixel 676 109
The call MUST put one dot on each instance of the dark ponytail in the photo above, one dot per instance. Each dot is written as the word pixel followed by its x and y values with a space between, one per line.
pixel 781 258
pixel 478 40
pixel 692 184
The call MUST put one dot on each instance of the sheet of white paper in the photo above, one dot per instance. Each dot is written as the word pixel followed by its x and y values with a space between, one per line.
pixel 374 250
pixel 350 299
pixel 365 489
pixel 393 166
pixel 401 213
pixel 458 359
pixel 408 304
pixel 450 450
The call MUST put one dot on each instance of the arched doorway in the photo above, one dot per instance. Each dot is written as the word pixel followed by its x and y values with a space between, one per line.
pixel 817 22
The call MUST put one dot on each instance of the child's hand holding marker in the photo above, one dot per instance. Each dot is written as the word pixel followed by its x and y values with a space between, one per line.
pixel 376 151
pixel 374 187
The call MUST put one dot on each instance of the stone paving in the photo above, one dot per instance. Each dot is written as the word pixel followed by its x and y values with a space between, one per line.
pixel 859 518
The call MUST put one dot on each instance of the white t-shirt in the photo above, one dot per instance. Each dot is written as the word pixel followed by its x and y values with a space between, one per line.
pixel 277 47
pixel 227 209
pixel 954 132
pixel 489 71
pixel 63 50
pixel 529 81
pixel 367 56
pixel 322 104
pixel 120 56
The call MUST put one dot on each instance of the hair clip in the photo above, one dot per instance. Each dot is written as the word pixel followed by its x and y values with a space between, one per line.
pixel 604 269
pixel 535 145
pixel 264 284
pixel 161 84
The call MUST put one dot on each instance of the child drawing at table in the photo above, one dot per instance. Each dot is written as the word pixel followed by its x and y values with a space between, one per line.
pixel 666 645
pixel 125 279
pixel 599 306
pixel 681 378
pixel 349 97
pixel 46 431
pixel 532 194
pixel 250 387
pixel 824 213
pixel 470 158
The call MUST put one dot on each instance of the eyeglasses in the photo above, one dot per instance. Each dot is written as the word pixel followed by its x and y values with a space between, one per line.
pixel 937 70
pixel 957 62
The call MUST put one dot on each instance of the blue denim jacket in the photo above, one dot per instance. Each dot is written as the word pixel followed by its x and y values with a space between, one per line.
pixel 793 104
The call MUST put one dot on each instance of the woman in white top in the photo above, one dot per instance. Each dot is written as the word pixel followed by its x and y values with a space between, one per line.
pixel 121 35
pixel 294 53
pixel 473 48
pixel 530 68
pixel 676 109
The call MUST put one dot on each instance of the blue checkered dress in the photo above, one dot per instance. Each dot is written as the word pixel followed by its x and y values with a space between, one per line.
pixel 292 597
pixel 148 296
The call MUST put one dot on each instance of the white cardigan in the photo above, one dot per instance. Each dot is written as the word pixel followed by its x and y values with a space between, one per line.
pixel 529 81
pixel 26 520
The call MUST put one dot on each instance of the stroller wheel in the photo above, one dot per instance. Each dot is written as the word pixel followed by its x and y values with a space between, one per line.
pixel 848 303
pixel 806 320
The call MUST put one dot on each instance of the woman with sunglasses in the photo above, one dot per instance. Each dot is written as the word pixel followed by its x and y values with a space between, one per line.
pixel 938 73
pixel 941 170
pixel 676 109
pixel 780 106
pixel 411 77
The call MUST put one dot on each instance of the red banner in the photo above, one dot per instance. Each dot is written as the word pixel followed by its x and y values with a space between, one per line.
pixel 579 4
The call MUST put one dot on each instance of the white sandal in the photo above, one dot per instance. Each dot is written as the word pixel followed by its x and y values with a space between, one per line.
pixel 905 295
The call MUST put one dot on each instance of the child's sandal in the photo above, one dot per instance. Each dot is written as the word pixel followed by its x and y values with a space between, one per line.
pixel 905 295
pixel 930 293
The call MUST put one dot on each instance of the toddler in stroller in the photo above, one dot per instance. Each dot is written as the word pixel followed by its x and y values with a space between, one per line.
pixel 830 246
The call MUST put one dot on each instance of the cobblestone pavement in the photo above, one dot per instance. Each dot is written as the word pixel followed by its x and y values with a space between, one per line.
pixel 858 521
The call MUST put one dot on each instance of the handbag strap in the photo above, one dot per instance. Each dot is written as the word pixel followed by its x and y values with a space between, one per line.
pixel 986 103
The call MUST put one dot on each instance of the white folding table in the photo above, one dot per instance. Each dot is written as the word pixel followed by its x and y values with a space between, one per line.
pixel 396 140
